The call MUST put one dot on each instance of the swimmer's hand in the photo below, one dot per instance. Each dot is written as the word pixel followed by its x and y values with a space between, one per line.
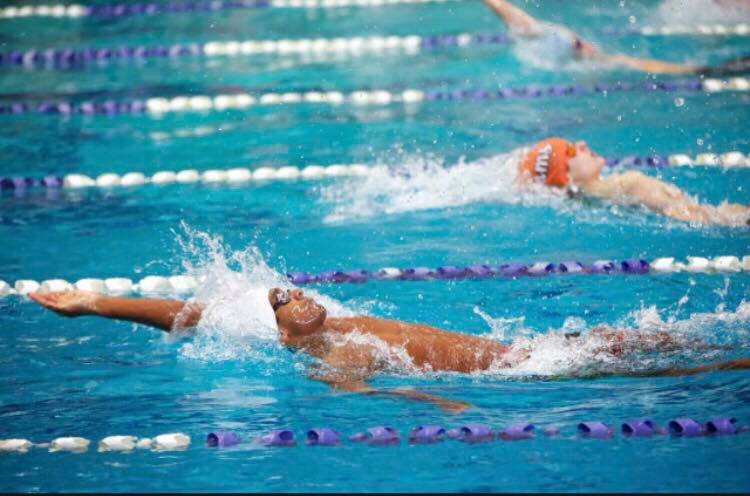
pixel 451 406
pixel 67 303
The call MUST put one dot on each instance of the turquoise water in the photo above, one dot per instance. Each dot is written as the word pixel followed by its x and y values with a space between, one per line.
pixel 95 378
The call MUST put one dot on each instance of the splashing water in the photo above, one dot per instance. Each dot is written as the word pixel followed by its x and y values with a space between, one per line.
pixel 229 327
pixel 692 12
pixel 701 338
pixel 421 184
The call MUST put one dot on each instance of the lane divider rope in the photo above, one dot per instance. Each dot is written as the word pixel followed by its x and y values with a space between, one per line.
pixel 183 284
pixel 77 11
pixel 65 57
pixel 387 435
pixel 158 106
pixel 243 175
pixel 370 44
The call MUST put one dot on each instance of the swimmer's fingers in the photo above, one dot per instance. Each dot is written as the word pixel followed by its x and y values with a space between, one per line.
pixel 67 303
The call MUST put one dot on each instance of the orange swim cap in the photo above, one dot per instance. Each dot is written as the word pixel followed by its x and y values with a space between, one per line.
pixel 549 159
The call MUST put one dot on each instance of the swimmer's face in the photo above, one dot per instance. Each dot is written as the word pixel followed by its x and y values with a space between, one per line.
pixel 296 313
pixel 585 166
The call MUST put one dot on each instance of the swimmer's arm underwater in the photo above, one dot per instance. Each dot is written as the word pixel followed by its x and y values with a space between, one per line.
pixel 357 385
pixel 162 314
pixel 637 188
pixel 349 367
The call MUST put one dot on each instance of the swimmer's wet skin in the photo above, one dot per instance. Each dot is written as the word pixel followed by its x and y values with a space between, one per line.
pixel 303 324
pixel 560 42
pixel 558 163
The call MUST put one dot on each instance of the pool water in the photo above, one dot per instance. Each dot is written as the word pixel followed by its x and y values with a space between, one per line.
pixel 92 378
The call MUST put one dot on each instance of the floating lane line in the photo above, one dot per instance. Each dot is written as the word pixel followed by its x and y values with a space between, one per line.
pixel 242 175
pixel 78 11
pixel 158 106
pixel 387 435
pixel 284 47
pixel 66 56
pixel 183 284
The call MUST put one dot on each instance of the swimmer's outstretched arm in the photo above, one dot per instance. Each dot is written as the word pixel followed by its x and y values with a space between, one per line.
pixel 517 20
pixel 652 66
pixel 162 314
pixel 664 198
pixel 523 24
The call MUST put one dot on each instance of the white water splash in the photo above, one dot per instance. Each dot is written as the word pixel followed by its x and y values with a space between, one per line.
pixel 421 183
pixel 702 337
pixel 228 328
pixel 693 12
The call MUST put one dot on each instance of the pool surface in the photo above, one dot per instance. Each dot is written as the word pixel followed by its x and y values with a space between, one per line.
pixel 429 204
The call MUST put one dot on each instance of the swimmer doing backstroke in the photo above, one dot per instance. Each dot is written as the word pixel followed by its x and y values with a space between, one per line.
pixel 558 163
pixel 304 325
pixel 558 44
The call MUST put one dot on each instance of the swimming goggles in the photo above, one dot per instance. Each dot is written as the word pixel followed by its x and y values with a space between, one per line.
pixel 280 298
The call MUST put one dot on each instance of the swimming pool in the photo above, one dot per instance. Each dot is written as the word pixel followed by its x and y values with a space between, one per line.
pixel 93 378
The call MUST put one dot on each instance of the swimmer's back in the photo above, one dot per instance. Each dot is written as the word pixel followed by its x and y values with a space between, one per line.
pixel 428 347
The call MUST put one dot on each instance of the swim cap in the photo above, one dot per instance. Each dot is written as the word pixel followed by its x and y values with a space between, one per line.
pixel 548 159
pixel 256 300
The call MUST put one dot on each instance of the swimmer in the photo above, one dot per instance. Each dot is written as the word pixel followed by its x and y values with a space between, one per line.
pixel 559 43
pixel 561 164
pixel 304 325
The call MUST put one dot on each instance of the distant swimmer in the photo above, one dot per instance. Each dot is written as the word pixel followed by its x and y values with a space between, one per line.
pixel 554 45
pixel 351 349
pixel 558 163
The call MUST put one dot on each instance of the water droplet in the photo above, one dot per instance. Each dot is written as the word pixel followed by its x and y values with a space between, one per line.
pixel 631 19
pixel 699 141
pixel 679 101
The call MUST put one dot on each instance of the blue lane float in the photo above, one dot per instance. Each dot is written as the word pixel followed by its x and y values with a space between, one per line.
pixel 377 435
pixel 472 433
pixel 426 434
pixel 685 427
pixel 323 436
pixel 278 437
pixel 222 439
pixel 595 429
pixel 517 432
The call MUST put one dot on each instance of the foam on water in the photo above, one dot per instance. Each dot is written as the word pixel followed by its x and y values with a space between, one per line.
pixel 700 338
pixel 229 327
pixel 692 12
pixel 421 183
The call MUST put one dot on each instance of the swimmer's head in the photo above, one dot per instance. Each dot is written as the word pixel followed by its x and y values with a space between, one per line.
pixel 560 163
pixel 296 314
